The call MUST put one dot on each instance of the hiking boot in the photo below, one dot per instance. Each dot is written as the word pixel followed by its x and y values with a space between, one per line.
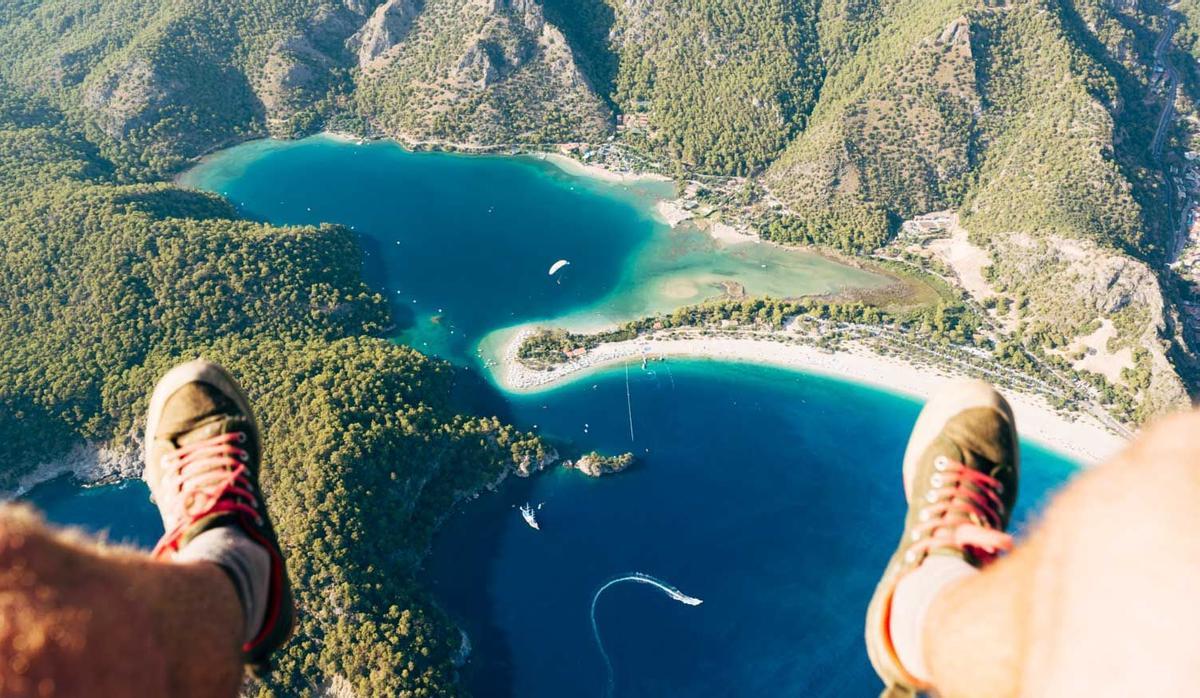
pixel 202 453
pixel 960 481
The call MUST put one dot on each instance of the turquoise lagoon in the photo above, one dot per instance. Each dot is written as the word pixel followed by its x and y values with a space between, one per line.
pixel 463 244
pixel 773 496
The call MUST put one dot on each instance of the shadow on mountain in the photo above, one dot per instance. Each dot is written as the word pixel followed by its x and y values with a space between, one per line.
pixel 587 24
pixel 1135 119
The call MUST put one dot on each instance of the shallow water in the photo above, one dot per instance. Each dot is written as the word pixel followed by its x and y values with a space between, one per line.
pixel 771 495
pixel 463 244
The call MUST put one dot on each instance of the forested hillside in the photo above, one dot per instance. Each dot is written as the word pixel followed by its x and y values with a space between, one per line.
pixel 724 83
pixel 156 81
pixel 474 72
pixel 104 285
pixel 1033 122
pixel 1028 118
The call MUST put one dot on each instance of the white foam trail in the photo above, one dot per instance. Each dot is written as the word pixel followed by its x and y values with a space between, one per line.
pixel 638 578
pixel 629 403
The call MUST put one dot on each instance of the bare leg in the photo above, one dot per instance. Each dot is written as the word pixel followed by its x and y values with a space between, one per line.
pixel 78 618
pixel 1102 600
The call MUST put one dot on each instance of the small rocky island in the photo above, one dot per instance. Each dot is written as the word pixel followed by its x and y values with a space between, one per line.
pixel 594 464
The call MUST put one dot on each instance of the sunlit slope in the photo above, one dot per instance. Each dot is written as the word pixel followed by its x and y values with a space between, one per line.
pixel 103 286
pixel 1023 120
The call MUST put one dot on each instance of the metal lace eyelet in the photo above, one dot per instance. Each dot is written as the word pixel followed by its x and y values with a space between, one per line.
pixel 936 480
pixel 931 496
pixel 910 556
pixel 924 515
pixel 999 488
pixel 258 520
pixel 241 437
pixel 915 536
pixel 941 463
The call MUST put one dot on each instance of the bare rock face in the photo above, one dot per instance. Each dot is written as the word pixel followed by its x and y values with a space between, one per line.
pixel 360 7
pixel 528 465
pixel 1079 279
pixel 474 71
pixel 594 464
pixel 128 97
pixel 387 27
pixel 560 59
pixel 514 34
pixel 529 12
pixel 86 462
pixel 478 66
pixel 330 27
pixel 293 68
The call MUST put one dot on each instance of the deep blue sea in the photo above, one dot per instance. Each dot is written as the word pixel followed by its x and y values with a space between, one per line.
pixel 773 496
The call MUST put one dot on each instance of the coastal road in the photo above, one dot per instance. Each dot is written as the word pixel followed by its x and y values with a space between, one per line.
pixel 1165 119
pixel 1168 112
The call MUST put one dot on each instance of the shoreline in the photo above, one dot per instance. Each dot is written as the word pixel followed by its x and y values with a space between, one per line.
pixel 579 168
pixel 559 157
pixel 88 464
pixel 1082 438
pixel 666 209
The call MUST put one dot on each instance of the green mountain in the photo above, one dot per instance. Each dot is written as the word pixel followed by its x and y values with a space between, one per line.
pixel 1030 127
pixel 106 285
pixel 1022 118
pixel 1032 119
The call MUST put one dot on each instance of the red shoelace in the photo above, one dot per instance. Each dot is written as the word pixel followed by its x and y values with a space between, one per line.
pixel 201 479
pixel 963 511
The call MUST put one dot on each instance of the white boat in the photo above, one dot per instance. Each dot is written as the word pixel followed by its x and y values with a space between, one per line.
pixel 527 514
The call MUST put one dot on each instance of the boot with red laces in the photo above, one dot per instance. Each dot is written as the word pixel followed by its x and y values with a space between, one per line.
pixel 202 454
pixel 960 481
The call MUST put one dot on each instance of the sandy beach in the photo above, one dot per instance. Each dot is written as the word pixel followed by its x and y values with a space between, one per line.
pixel 1082 437
pixel 729 235
pixel 671 212
pixel 582 169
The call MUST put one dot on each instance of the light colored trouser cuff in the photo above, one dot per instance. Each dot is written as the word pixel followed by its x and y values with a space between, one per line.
pixel 247 563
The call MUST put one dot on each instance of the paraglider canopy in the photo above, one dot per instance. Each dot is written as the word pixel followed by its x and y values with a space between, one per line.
pixel 558 265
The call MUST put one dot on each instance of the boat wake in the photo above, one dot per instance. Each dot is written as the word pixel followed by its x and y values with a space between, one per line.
pixel 629 403
pixel 639 578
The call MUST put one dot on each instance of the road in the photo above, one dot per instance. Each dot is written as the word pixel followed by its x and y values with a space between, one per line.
pixel 1168 112
pixel 1165 119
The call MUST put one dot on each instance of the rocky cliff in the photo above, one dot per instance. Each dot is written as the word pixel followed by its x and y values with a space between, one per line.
pixel 474 71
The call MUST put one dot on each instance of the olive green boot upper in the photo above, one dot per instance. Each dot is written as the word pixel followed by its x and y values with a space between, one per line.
pixel 960 481
pixel 202 453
